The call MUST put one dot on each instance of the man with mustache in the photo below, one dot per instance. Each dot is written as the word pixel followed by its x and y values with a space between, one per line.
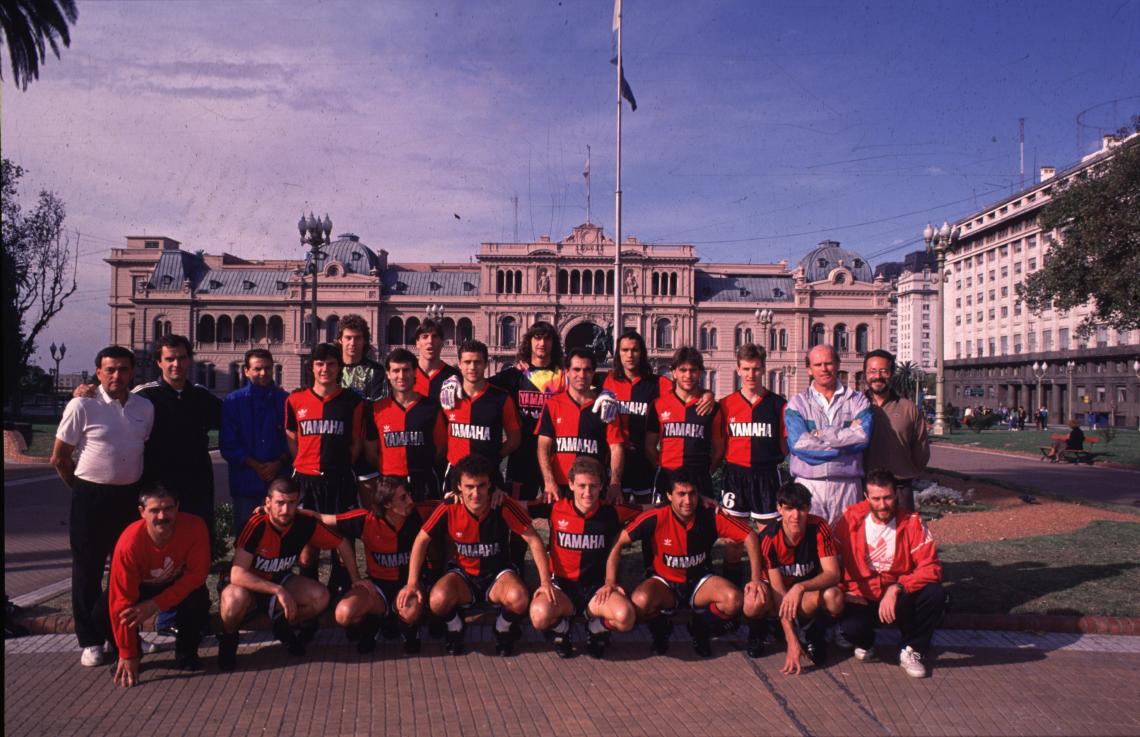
pixel 899 442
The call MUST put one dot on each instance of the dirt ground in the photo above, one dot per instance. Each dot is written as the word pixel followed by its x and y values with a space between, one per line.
pixel 1009 517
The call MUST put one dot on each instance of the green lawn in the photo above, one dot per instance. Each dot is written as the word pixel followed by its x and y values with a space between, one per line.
pixel 1090 571
pixel 43 437
pixel 1123 449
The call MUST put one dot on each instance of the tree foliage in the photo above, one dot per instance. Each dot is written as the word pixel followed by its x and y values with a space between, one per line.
pixel 1097 256
pixel 30 27
pixel 40 270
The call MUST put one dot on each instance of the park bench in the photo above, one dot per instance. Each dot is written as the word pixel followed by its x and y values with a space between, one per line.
pixel 1069 455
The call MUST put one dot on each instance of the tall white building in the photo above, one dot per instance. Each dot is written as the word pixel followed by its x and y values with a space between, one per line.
pixel 916 309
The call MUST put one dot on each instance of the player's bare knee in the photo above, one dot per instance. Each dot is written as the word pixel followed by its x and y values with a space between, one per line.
pixel 622 616
pixel 833 601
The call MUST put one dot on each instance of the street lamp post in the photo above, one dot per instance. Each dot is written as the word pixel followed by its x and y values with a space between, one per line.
pixel 1039 370
pixel 1069 366
pixel 434 312
pixel 938 241
pixel 57 356
pixel 764 317
pixel 314 234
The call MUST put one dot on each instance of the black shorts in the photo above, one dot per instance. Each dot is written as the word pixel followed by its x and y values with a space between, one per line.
pixel 683 593
pixel 663 483
pixel 330 493
pixel 388 591
pixel 480 585
pixel 578 595
pixel 750 492
pixel 637 478
pixel 266 603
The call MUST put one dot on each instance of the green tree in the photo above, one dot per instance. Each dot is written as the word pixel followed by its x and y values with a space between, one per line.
pixel 30 27
pixel 903 380
pixel 40 270
pixel 1097 257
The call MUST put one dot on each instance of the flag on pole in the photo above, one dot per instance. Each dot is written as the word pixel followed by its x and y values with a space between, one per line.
pixel 626 90
pixel 586 169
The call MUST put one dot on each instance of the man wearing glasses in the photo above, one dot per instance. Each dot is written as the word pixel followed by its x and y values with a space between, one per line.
pixel 899 442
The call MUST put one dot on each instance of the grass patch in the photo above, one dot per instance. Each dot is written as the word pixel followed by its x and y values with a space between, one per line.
pixel 43 438
pixel 1124 448
pixel 1087 572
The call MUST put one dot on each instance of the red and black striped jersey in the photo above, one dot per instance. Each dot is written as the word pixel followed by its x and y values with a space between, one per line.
pixel 801 562
pixel 407 437
pixel 636 398
pixel 755 429
pixel 275 551
pixel 530 389
pixel 477 423
pixel 325 429
pixel 576 431
pixel 387 548
pixel 479 544
pixel 429 384
pixel 686 437
pixel 579 543
pixel 682 553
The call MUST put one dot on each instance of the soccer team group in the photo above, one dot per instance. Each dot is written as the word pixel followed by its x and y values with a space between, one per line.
pixel 406 458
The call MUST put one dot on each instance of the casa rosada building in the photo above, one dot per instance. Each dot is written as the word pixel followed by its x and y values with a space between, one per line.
pixel 226 304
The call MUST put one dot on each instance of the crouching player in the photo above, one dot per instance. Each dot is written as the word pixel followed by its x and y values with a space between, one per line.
pixel 481 569
pixel 262 579
pixel 582 531
pixel 388 531
pixel 679 537
pixel 803 573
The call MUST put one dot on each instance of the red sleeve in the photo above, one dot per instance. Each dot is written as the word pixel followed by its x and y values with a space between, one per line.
pixel 516 517
pixel 924 553
pixel 351 524
pixel 731 529
pixel 251 534
pixel 427 508
pixel 545 426
pixel 290 415
pixel 615 432
pixel 194 548
pixel 510 416
pixel 122 592
pixel 439 432
pixel 643 526
pixel 324 538
pixel 825 542
pixel 626 512
pixel 664 385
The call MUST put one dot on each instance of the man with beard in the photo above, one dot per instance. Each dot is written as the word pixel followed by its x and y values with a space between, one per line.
pixel 899 442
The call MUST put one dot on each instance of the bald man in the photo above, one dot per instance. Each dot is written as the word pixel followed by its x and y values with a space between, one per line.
pixel 828 426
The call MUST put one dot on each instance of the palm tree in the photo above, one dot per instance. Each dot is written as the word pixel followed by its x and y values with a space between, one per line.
pixel 904 378
pixel 30 26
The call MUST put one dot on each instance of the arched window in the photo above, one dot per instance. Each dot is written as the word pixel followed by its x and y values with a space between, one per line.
pixel 663 335
pixel 862 334
pixel 600 282
pixel 840 334
pixel 575 282
pixel 447 327
pixel 817 335
pixel 395 332
pixel 464 331
pixel 783 339
pixel 563 282
pixel 276 329
pixel 741 336
pixel 499 286
pixel 712 338
pixel 771 339
pixel 610 281
pixel 205 329
pixel 207 376
pixel 410 328
pixel 508 332
pixel 518 282
pixel 332 325
pixel 241 329
pixel 656 279
pixel 587 282
pixel 225 329
pixel 161 327
pixel 673 284
pixel 704 343
pixel 257 329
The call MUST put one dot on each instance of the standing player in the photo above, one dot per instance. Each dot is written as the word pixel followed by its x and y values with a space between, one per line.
pixel 688 439
pixel 803 575
pixel 324 426
pixel 756 446
pixel 364 376
pixel 582 531
pixel 406 433
pixel 431 371
pixel 481 418
pixel 636 387
pixel 574 425
pixel 261 578
pixel 679 538
pixel 531 382
pixel 481 569
pixel 387 530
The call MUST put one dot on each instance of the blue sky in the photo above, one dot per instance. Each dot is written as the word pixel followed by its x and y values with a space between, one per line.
pixel 761 128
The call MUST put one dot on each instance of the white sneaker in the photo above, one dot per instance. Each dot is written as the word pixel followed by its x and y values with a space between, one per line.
pixel 92 656
pixel 146 647
pixel 863 654
pixel 911 663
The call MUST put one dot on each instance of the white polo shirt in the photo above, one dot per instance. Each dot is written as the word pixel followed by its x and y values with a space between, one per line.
pixel 108 436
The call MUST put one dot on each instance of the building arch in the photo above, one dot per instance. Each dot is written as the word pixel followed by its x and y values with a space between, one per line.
pixel 663 334
pixel 257 329
pixel 395 332
pixel 818 335
pixel 410 328
pixel 447 327
pixel 840 338
pixel 464 331
pixel 206 329
pixel 862 338
pixel 225 329
pixel 332 325
pixel 508 332
pixel 241 329
pixel 276 330
pixel 742 335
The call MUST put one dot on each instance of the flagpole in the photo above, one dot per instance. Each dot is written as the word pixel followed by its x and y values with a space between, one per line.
pixel 619 282
pixel 588 184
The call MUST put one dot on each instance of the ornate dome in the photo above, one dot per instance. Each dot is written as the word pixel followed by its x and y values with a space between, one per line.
pixel 828 256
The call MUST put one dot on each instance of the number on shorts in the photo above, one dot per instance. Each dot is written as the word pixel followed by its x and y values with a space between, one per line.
pixel 728 500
